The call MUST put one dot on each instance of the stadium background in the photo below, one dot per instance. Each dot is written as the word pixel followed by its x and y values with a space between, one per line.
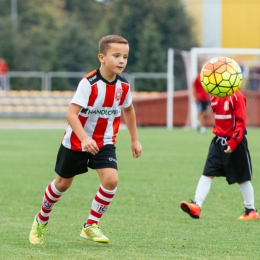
pixel 218 24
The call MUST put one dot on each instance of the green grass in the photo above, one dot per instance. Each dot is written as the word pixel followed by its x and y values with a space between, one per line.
pixel 144 221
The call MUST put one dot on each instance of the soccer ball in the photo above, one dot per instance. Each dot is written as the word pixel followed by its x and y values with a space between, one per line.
pixel 221 77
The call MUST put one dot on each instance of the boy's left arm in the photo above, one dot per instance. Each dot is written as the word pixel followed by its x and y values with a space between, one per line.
pixel 130 120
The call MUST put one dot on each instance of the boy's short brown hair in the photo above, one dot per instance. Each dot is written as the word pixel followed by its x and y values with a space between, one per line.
pixel 106 40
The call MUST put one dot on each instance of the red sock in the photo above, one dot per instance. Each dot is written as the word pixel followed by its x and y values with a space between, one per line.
pixel 50 198
pixel 99 204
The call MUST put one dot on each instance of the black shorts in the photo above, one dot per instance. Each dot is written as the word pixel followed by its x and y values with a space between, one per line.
pixel 70 163
pixel 235 166
pixel 202 105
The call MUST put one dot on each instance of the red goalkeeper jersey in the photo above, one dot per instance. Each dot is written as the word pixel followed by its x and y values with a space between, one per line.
pixel 230 117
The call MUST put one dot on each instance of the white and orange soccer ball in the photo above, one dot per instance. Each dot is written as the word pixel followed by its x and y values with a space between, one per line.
pixel 221 76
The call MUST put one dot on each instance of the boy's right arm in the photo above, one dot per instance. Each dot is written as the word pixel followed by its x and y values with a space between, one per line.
pixel 72 117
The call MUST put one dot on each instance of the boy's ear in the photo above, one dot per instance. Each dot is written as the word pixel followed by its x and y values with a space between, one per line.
pixel 101 57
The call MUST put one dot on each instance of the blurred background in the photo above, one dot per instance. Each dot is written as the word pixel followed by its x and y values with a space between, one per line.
pixel 47 46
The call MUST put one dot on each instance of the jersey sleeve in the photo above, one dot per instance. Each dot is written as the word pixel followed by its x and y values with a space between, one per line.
pixel 128 100
pixel 82 93
pixel 239 104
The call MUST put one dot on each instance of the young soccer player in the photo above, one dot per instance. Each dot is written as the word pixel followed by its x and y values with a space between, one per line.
pixel 89 140
pixel 228 155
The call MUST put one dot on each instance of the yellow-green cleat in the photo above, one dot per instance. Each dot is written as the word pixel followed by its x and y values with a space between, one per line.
pixel 37 232
pixel 94 233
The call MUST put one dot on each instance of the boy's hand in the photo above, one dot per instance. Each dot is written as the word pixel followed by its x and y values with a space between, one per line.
pixel 136 149
pixel 228 150
pixel 90 146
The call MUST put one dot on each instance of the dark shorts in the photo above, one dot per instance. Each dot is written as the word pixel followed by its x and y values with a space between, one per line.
pixel 70 163
pixel 236 166
pixel 202 105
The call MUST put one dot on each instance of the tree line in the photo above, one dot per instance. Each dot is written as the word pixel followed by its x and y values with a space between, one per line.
pixel 63 35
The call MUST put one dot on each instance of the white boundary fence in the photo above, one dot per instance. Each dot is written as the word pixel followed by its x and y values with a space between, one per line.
pixel 50 75
pixel 144 75
pixel 23 74
pixel 46 78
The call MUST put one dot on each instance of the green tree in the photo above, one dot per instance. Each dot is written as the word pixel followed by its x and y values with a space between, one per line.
pixel 75 48
pixel 169 16
pixel 171 21
pixel 37 34
pixel 8 49
pixel 89 12
pixel 30 45
pixel 149 56
pixel 64 34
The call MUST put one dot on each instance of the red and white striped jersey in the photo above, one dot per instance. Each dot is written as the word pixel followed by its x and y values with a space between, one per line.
pixel 230 117
pixel 101 103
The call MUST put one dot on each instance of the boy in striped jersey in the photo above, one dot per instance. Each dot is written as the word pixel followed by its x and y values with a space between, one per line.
pixel 228 155
pixel 89 140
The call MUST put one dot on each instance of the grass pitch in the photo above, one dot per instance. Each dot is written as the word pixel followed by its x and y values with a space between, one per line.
pixel 144 221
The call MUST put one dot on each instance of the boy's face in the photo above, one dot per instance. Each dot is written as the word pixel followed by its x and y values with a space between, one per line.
pixel 115 60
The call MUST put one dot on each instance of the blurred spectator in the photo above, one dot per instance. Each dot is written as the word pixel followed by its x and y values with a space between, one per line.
pixel 201 98
pixel 245 74
pixel 254 78
pixel 3 72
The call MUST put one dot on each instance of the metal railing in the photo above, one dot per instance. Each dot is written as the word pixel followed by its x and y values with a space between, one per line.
pixel 144 75
pixel 23 74
pixel 46 78
pixel 50 75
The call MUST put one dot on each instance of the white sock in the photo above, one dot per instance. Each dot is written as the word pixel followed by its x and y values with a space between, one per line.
pixel 248 194
pixel 203 129
pixel 202 190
